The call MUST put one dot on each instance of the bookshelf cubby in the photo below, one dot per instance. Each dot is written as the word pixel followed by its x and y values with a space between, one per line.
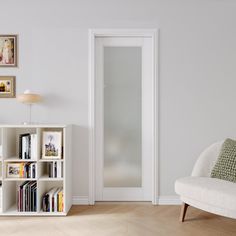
pixel 45 172
pixel 10 152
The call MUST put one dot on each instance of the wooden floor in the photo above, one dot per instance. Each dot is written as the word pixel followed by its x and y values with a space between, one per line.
pixel 112 219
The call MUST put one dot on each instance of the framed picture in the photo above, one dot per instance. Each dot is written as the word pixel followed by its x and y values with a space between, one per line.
pixel 52 145
pixel 8 50
pixel 7 86
pixel 13 170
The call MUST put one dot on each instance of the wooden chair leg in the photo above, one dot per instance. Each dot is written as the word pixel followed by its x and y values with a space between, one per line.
pixel 183 211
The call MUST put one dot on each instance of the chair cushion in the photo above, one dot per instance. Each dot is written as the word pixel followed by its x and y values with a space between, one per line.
pixel 225 167
pixel 215 192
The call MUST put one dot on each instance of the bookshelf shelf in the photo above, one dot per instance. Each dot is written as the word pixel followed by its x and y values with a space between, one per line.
pixel 50 160
pixel 12 148
pixel 52 213
pixel 12 211
pixel 20 179
pixel 18 160
pixel 46 178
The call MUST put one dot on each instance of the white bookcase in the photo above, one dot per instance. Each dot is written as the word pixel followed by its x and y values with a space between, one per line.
pixel 9 152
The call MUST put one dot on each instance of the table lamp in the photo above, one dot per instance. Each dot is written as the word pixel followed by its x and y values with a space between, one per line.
pixel 29 99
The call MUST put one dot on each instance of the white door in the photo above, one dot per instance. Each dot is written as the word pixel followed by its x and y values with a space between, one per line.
pixel 123 118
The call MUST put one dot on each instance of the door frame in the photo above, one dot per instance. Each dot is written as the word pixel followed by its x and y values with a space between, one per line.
pixel 93 33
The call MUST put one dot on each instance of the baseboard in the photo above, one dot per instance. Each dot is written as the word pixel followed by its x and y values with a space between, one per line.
pixel 80 200
pixel 162 200
pixel 169 200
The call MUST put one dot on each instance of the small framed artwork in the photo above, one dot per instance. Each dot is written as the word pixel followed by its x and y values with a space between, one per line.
pixel 8 50
pixel 7 86
pixel 52 145
pixel 13 170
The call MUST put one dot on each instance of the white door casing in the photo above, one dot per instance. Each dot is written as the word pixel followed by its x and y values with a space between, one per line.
pixel 147 39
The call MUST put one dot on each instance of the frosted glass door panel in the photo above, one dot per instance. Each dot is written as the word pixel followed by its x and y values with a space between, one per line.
pixel 122 117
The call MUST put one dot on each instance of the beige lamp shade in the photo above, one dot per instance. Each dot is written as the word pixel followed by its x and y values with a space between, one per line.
pixel 29 98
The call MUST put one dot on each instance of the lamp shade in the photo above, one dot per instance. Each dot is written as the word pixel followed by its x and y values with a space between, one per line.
pixel 29 98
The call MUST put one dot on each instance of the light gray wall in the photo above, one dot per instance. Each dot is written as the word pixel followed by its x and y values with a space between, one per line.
pixel 197 71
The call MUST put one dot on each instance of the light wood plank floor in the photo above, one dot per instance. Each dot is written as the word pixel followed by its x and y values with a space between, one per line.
pixel 113 219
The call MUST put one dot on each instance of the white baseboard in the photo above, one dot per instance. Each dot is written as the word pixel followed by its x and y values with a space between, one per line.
pixel 162 200
pixel 169 200
pixel 80 200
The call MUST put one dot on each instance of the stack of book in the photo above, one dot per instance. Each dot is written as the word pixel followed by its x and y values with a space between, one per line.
pixel 21 170
pixel 28 146
pixel 53 200
pixel 27 170
pixel 55 169
pixel 27 196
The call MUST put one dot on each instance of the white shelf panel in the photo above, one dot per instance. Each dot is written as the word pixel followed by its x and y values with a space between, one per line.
pixel 33 126
pixel 50 160
pixel 46 178
pixel 15 159
pixel 52 213
pixel 35 214
pixel 12 211
pixel 19 179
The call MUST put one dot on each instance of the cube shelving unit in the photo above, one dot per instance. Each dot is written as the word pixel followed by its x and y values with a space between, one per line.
pixel 9 153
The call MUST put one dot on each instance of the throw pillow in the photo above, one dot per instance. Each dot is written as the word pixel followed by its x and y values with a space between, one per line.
pixel 225 167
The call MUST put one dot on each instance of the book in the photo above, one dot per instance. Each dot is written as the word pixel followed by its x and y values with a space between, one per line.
pixel 23 148
pixel 27 196
pixel 60 203
pixel 45 202
pixel 51 194
pixel 28 146
pixel 62 167
pixel 53 200
pixel 32 197
pixel 34 203
pixel 59 174
pixel 33 170
pixel 21 170
pixel 24 196
pixel 33 146
pixel 50 170
pixel 55 169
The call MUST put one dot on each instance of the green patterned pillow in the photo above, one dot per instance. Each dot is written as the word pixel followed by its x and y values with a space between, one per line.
pixel 225 167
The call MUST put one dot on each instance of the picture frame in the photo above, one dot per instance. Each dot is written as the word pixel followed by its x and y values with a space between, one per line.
pixel 7 86
pixel 52 145
pixel 13 170
pixel 8 50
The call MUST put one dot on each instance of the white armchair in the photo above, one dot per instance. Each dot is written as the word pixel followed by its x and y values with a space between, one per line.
pixel 201 191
